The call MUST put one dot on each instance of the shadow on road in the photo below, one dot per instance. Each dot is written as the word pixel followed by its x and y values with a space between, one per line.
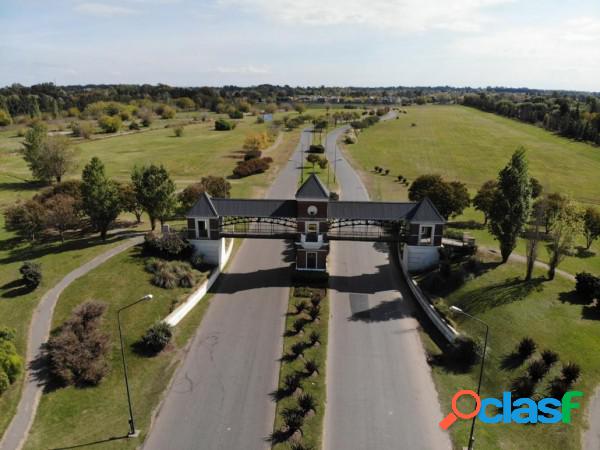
pixel 230 283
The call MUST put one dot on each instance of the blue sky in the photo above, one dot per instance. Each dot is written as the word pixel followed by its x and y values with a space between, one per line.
pixel 551 44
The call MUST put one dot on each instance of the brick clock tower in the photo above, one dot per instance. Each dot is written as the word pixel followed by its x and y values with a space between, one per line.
pixel 312 200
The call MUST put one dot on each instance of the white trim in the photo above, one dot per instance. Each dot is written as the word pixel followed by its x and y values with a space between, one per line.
pixel 206 227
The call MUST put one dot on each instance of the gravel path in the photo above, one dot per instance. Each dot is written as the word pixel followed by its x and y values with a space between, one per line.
pixel 39 330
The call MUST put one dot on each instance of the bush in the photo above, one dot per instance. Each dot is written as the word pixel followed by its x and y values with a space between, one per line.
pixel 587 286
pixel 537 369
pixel 11 364
pixel 307 402
pixel 463 351
pixel 5 118
pixel 252 154
pixel 298 325
pixel 178 131
pixel 77 353
pixel 314 338
pixel 300 306
pixel 31 274
pixel 302 291
pixel 236 114
pixel 549 357
pixel 168 246
pixel 110 124
pixel 311 366
pixel 134 126
pixel 316 148
pixel 82 129
pixel 170 274
pixel 4 382
pixel 251 167
pixel 523 387
pixel 224 125
pixel 157 337
pixel 167 112
pixel 526 347
pixel 571 372
pixel 558 387
pixel 197 261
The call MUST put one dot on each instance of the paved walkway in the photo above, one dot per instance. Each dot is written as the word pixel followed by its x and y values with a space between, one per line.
pixel 39 330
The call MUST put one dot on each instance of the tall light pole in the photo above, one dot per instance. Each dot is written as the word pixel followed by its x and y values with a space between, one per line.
pixel 487 329
pixel 132 431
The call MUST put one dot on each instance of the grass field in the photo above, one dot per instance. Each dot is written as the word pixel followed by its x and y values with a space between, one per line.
pixel 551 314
pixel 199 152
pixel 472 146
pixel 74 416
pixel 312 430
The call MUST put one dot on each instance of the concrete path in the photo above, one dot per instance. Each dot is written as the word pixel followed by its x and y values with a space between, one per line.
pixel 591 437
pixel 39 330
pixel 380 394
pixel 219 398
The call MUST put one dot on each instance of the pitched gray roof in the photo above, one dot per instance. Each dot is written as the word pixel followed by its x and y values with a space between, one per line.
pixel 255 208
pixel 425 211
pixel 368 210
pixel 204 207
pixel 313 189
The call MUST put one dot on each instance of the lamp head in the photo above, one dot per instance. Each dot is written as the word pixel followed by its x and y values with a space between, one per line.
pixel 455 309
pixel 148 297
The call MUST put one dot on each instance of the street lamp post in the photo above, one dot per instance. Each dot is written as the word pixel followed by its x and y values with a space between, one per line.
pixel 487 329
pixel 132 431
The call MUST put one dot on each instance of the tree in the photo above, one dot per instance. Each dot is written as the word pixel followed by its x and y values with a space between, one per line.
pixel 512 203
pixel 110 124
pixel 567 225
pixel 550 206
pixel 26 219
pixel 591 226
pixel 313 159
pixel 77 354
pixel 57 158
pixel 533 239
pixel 101 196
pixel 300 107
pixel 536 187
pixel 450 199
pixel 129 201
pixel 61 214
pixel 5 118
pixel 32 147
pixel 155 191
pixel 484 199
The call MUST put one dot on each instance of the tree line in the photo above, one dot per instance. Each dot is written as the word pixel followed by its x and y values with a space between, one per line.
pixel 571 117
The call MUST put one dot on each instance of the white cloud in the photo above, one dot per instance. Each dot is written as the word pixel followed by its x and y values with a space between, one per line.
pixel 399 15
pixel 245 70
pixel 103 9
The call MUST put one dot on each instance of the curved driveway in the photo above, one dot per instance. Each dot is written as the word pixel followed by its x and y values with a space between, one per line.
pixel 380 394
pixel 15 435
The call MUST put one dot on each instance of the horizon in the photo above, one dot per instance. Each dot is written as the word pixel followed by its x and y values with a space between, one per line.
pixel 548 46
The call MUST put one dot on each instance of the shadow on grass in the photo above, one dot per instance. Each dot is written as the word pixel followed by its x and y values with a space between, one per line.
pixel 42 249
pixel 591 312
pixel 40 373
pixel 583 252
pixel 512 361
pixel 573 298
pixel 510 291
pixel 101 441
pixel 16 288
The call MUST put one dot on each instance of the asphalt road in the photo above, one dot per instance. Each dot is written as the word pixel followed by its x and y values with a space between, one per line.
pixel 219 398
pixel 380 394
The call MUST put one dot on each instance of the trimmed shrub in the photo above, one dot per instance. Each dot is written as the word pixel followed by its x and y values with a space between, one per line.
pixel 316 148
pixel 31 274
pixel 252 154
pixel 537 369
pixel 77 354
pixel 251 167
pixel 157 337
pixel 549 357
pixel 587 286
pixel 224 125
pixel 168 246
pixel 178 131
pixel 526 347
pixel 463 351
pixel 571 372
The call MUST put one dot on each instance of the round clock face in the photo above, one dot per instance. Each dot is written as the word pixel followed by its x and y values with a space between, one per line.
pixel 312 210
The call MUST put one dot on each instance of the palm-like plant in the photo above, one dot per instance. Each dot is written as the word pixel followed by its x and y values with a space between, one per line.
pixel 298 325
pixel 292 382
pixel 300 306
pixel 314 338
pixel 315 299
pixel 549 357
pixel 314 312
pixel 298 348
pixel 293 419
pixel 300 446
pixel 526 347
pixel 537 369
pixel 307 402
pixel 311 366
pixel 571 372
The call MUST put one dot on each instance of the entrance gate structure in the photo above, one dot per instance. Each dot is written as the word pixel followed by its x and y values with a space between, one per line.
pixel 311 220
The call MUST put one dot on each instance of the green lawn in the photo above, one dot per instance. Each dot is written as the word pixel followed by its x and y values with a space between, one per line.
pixel 547 311
pixel 199 152
pixel 73 416
pixel 472 146
pixel 312 430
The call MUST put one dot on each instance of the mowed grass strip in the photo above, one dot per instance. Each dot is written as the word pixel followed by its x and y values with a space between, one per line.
pixel 465 144
pixel 551 314
pixel 312 429
pixel 472 146
pixel 73 416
